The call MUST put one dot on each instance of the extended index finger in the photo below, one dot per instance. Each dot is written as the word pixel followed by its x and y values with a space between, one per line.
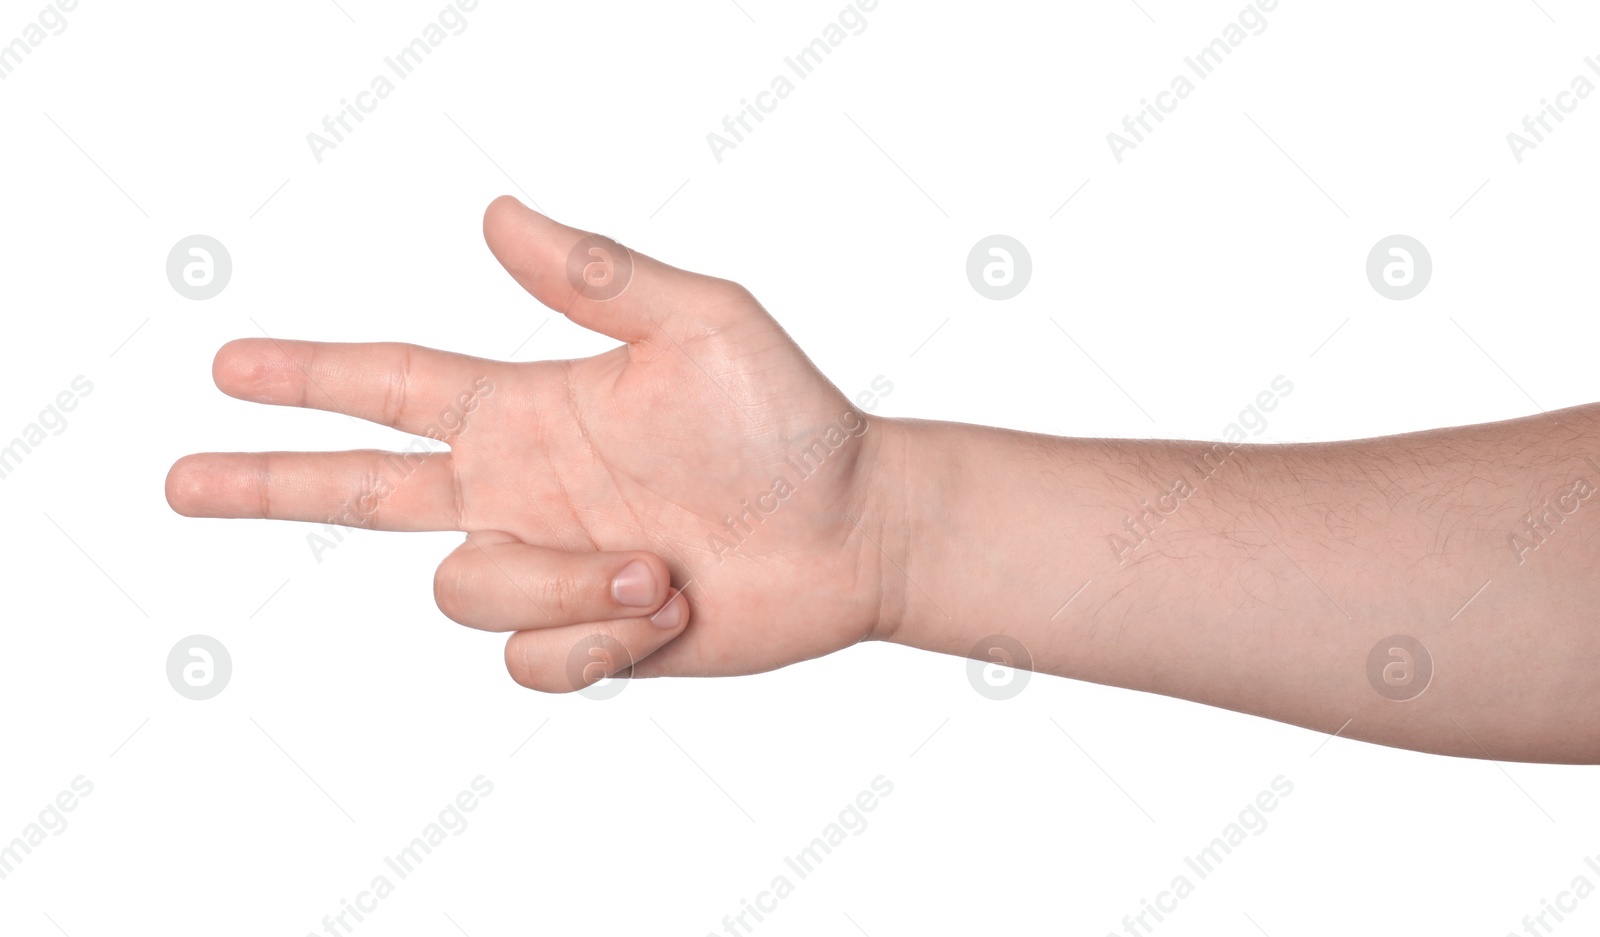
pixel 417 390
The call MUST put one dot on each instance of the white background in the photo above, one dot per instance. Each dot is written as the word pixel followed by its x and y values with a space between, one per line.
pixel 1223 251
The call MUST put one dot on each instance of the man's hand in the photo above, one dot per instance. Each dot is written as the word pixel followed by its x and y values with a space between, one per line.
pixel 1297 582
pixel 705 464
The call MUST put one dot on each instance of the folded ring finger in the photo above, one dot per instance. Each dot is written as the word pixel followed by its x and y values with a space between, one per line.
pixel 495 582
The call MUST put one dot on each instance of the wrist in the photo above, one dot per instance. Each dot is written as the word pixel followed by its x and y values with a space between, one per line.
pixel 898 502
pixel 974 523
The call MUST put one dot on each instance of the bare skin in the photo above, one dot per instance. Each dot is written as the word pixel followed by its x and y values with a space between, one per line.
pixel 774 522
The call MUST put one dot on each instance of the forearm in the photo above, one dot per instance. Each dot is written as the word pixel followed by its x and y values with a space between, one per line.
pixel 1259 578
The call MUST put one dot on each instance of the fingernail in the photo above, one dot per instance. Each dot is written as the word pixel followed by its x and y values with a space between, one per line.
pixel 635 585
pixel 671 614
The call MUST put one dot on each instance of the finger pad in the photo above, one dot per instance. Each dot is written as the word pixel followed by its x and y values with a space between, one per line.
pixel 208 486
pixel 246 367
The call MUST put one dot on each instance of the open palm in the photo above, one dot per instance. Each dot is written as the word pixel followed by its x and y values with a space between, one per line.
pixel 706 463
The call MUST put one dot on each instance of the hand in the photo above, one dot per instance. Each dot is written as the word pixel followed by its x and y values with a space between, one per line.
pixel 711 458
pixel 705 464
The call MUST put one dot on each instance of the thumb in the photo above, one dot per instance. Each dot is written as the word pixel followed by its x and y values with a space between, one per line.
pixel 590 278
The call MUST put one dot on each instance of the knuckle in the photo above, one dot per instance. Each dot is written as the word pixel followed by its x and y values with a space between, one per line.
pixel 568 593
pixel 398 387
pixel 720 292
